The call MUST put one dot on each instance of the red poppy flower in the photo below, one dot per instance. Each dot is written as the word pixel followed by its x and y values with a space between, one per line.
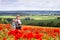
pixel 54 35
pixel 15 39
pixel 10 32
pixel 7 26
pixel 18 36
pixel 0 28
pixel 40 35
pixel 25 28
pixel 4 38
pixel 56 30
pixel 29 35
pixel 40 39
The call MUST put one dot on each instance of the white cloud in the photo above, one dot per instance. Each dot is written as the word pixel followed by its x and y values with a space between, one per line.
pixel 29 4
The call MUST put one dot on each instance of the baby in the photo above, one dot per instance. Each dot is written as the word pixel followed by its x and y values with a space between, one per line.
pixel 13 24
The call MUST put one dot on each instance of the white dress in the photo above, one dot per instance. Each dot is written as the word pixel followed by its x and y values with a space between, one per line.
pixel 19 21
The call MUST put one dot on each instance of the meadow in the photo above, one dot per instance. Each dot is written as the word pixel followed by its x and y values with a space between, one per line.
pixel 33 28
pixel 36 20
pixel 28 33
pixel 36 17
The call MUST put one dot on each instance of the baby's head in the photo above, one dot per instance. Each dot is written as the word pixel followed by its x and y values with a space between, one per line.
pixel 13 20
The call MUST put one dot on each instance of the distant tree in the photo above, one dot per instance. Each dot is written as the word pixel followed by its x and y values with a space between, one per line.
pixel 58 17
pixel 28 18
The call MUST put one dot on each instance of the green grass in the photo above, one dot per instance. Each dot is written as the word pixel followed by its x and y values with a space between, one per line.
pixel 33 17
pixel 7 16
pixel 38 20
pixel 43 17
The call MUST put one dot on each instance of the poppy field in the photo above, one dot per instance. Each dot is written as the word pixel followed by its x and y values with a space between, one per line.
pixel 28 33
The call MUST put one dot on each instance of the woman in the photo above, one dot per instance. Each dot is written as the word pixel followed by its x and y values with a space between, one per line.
pixel 17 22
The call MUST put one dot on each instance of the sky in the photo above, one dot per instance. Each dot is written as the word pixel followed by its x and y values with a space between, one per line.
pixel 8 5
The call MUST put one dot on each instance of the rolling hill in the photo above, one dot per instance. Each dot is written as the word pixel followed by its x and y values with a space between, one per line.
pixel 30 12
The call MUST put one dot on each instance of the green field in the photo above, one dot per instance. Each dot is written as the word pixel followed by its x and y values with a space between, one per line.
pixel 33 17
pixel 51 21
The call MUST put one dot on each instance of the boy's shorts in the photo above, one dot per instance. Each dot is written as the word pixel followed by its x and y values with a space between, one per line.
pixel 18 27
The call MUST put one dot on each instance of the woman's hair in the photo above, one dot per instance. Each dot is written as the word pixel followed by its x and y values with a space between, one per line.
pixel 18 16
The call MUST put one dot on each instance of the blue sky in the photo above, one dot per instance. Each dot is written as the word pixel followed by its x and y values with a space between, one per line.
pixel 29 4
